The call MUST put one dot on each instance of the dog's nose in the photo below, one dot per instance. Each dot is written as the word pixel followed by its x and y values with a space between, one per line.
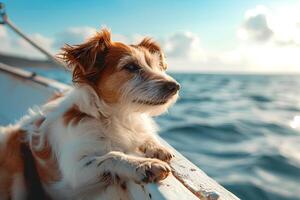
pixel 172 86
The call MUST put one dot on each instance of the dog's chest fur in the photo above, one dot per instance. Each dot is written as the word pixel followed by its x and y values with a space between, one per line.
pixel 94 135
pixel 127 134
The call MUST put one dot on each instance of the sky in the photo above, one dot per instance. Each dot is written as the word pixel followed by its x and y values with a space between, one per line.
pixel 247 36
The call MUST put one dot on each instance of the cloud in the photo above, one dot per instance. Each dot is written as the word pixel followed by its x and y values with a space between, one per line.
pixel 255 26
pixel 181 46
pixel 268 41
pixel 76 35
pixel 280 26
pixel 10 44
pixel 73 35
pixel 184 45
pixel 43 41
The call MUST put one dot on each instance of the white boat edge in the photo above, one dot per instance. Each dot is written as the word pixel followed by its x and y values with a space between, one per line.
pixel 186 182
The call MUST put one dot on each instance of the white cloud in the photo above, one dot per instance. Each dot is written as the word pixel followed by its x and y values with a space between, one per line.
pixel 256 26
pixel 269 41
pixel 73 35
pixel 18 46
pixel 263 58
pixel 280 26
pixel 43 41
pixel 179 47
pixel 286 25
pixel 12 44
pixel 76 35
pixel 184 45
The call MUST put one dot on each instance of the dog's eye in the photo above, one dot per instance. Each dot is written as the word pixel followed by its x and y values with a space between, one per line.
pixel 132 67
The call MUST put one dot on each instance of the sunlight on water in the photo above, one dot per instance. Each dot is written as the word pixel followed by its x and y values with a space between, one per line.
pixel 296 122
pixel 242 130
pixel 290 149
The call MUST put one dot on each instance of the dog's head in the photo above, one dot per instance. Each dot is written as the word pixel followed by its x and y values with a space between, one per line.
pixel 130 76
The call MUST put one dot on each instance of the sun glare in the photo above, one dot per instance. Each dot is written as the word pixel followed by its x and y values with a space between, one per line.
pixel 296 122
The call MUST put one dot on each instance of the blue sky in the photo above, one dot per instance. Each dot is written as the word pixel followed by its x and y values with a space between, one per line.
pixel 215 20
pixel 214 23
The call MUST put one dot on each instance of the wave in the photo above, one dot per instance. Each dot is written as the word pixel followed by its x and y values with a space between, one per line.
pixel 237 128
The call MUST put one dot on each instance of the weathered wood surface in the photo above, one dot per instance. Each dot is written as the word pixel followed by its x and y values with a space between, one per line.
pixel 21 89
pixel 168 189
pixel 196 180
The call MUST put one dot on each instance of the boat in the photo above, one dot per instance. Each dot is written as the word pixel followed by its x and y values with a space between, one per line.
pixel 21 89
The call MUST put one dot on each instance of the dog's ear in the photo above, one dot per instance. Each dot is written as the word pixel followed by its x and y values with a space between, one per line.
pixel 87 60
pixel 154 48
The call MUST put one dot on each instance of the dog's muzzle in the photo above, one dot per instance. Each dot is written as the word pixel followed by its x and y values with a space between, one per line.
pixel 166 90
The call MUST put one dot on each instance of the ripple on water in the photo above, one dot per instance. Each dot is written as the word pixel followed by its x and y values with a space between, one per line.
pixel 237 129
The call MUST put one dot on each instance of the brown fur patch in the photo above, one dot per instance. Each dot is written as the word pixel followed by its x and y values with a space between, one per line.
pixel 153 47
pixel 10 160
pixel 96 62
pixel 111 78
pixel 73 115
pixel 48 169
pixel 148 59
pixel 110 85
pixel 16 157
pixel 10 151
pixel 149 44
pixel 86 60
pixel 46 163
pixel 43 153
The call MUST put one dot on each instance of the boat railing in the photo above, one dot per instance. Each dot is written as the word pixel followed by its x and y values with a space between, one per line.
pixel 6 21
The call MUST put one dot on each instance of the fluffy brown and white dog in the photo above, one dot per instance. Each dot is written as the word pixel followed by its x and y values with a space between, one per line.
pixel 89 142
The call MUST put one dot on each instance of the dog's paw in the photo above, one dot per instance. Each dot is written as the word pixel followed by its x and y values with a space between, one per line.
pixel 155 151
pixel 152 170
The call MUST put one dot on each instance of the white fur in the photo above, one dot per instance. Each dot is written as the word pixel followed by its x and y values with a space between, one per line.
pixel 115 144
pixel 111 136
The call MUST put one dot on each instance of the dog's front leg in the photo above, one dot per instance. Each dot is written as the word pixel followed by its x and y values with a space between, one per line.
pixel 115 167
pixel 153 149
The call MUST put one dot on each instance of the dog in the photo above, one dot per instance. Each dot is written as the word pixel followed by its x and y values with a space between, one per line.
pixel 90 141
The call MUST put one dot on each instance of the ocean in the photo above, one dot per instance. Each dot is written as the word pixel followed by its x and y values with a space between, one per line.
pixel 242 130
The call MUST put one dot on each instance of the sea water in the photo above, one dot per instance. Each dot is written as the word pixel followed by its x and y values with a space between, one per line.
pixel 242 130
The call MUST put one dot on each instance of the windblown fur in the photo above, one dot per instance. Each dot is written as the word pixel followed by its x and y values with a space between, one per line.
pixel 90 141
